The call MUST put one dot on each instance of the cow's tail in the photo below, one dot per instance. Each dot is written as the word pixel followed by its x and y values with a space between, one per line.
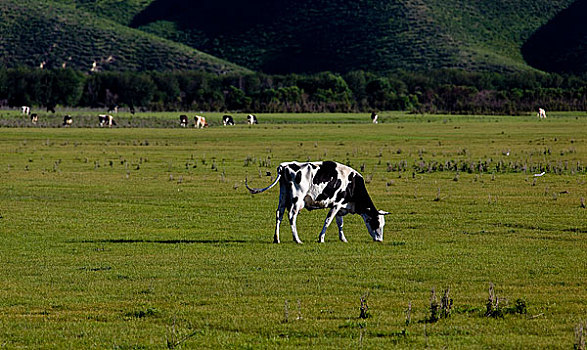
pixel 259 190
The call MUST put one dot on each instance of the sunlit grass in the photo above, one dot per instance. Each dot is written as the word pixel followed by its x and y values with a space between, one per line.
pixel 144 238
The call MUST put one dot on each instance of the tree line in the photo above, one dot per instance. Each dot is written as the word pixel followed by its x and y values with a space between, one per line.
pixel 440 91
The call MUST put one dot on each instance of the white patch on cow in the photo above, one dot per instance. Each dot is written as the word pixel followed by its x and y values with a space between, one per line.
pixel 26 110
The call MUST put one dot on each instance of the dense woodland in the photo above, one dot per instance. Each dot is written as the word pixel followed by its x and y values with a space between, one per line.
pixel 441 91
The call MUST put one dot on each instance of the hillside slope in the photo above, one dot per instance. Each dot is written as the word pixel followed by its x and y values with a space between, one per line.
pixel 32 32
pixel 279 36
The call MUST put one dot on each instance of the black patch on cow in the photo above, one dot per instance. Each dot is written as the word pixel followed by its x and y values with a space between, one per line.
pixel 340 196
pixel 295 200
pixel 326 173
pixel 299 177
pixel 374 221
pixel 314 166
pixel 294 167
pixel 358 194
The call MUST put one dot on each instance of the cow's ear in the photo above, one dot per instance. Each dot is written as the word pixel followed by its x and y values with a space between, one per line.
pixel 381 212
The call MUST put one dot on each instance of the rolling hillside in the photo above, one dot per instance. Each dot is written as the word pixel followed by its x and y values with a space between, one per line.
pixel 279 36
pixel 376 35
pixel 33 32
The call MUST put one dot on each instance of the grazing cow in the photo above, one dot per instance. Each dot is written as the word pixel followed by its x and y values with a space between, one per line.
pixel 227 120
pixel 200 122
pixel 106 120
pixel 34 118
pixel 320 185
pixel 67 121
pixel 541 113
pixel 374 117
pixel 183 120
pixel 252 119
pixel 26 110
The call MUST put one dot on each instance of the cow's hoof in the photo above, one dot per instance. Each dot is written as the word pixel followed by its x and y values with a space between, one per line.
pixel 299 242
pixel 276 241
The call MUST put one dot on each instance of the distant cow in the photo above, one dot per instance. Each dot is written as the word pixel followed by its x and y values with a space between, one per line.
pixel 541 113
pixel 227 120
pixel 183 120
pixel 26 110
pixel 252 119
pixel 374 117
pixel 67 121
pixel 200 122
pixel 34 118
pixel 113 109
pixel 106 120
pixel 320 185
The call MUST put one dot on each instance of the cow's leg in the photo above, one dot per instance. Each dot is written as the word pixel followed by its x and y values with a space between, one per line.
pixel 278 218
pixel 293 216
pixel 327 222
pixel 280 211
pixel 339 223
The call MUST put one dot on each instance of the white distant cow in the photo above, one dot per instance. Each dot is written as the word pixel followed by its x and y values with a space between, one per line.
pixel 67 120
pixel 183 120
pixel 374 117
pixel 26 110
pixel 541 113
pixel 227 120
pixel 200 122
pixel 252 119
pixel 106 120
pixel 320 185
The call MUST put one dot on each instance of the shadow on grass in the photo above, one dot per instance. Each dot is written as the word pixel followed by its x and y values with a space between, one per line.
pixel 167 241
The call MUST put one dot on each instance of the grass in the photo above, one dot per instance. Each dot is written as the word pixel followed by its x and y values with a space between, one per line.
pixel 146 237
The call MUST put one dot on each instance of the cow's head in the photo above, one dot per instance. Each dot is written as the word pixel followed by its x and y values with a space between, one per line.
pixel 375 221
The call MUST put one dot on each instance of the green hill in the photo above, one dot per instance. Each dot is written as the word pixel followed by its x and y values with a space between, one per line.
pixel 376 35
pixel 59 34
pixel 279 36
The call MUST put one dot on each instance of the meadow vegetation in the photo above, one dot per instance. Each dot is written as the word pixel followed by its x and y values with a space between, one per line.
pixel 145 238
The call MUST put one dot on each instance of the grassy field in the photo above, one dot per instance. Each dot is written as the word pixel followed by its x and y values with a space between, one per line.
pixel 145 238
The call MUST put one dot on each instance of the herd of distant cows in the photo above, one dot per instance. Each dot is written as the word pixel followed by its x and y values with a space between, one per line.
pixel 107 120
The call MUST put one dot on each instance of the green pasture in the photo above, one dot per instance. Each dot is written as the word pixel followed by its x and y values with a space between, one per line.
pixel 146 238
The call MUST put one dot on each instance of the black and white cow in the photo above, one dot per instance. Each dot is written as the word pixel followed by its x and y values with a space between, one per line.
pixel 106 120
pixel 67 121
pixel 227 120
pixel 374 117
pixel 252 119
pixel 183 120
pixel 34 118
pixel 320 185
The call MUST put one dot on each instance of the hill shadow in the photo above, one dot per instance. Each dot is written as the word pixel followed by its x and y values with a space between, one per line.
pixel 561 44
pixel 212 17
